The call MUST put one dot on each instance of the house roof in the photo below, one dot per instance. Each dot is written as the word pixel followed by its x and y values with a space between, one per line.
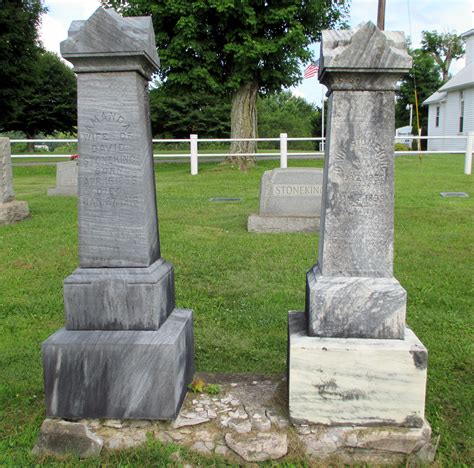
pixel 435 97
pixel 468 33
pixel 462 79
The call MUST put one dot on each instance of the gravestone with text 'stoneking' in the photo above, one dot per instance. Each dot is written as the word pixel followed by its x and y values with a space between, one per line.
pixel 66 179
pixel 125 351
pixel 290 201
pixel 11 210
pixel 352 360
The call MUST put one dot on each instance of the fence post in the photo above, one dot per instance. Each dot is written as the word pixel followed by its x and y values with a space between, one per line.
pixel 283 150
pixel 469 148
pixel 194 154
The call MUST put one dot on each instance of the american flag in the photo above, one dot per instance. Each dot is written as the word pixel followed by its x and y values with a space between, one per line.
pixel 312 70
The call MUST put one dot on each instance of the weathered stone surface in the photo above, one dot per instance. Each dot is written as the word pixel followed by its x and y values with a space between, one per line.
pixel 350 381
pixel 66 179
pixel 119 298
pixel 58 437
pixel 119 374
pixel 363 49
pixel 361 68
pixel 263 446
pixel 94 45
pixel 357 307
pixel 6 176
pixel 290 201
pixel 257 223
pixel 291 192
pixel 11 210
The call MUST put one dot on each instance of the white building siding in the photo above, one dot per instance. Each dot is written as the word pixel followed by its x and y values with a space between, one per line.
pixel 450 110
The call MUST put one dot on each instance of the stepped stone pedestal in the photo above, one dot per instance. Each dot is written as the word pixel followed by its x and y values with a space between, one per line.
pixel 11 210
pixel 352 360
pixel 126 352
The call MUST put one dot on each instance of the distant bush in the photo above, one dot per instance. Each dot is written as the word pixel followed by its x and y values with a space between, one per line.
pixel 401 147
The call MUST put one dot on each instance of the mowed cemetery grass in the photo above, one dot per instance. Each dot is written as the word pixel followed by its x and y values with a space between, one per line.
pixel 241 286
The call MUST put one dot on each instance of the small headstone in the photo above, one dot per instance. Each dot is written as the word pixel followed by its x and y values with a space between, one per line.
pixel 126 351
pixel 454 194
pixel 290 201
pixel 11 210
pixel 66 179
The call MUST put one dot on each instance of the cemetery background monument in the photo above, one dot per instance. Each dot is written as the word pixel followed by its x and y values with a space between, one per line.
pixel 11 210
pixel 352 360
pixel 66 179
pixel 126 352
pixel 290 201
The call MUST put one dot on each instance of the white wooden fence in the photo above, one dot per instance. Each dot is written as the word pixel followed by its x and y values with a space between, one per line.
pixel 283 153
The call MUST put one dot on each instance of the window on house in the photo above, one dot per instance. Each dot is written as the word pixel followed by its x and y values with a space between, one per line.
pixel 437 117
pixel 461 112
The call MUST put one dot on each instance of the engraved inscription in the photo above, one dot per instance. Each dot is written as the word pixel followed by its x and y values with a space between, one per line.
pixel 293 190
pixel 108 163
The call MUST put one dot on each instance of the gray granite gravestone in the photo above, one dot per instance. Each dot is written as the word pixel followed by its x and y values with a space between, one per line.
pixel 11 210
pixel 66 179
pixel 290 201
pixel 126 351
pixel 351 359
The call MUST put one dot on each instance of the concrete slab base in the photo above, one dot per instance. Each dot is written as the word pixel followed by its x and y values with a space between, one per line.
pixel 256 223
pixel 246 422
pixel 351 381
pixel 119 374
pixel 13 211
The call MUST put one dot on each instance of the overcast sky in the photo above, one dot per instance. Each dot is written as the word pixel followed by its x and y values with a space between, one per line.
pixel 440 15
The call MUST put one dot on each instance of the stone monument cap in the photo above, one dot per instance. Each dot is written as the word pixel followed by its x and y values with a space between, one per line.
pixel 363 49
pixel 97 43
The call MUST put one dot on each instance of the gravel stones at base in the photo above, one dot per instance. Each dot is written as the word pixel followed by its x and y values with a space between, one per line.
pixel 246 422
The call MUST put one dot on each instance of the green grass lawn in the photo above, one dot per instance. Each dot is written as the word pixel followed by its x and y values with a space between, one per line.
pixel 241 287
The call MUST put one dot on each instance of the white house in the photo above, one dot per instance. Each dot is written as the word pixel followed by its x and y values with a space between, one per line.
pixel 451 108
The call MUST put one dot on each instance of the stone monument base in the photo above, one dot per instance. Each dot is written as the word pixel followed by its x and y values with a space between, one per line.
pixel 354 306
pixel 120 374
pixel 119 298
pixel 13 211
pixel 351 381
pixel 245 423
pixel 256 223
pixel 63 190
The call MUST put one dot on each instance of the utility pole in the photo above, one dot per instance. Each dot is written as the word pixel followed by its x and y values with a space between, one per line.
pixel 381 15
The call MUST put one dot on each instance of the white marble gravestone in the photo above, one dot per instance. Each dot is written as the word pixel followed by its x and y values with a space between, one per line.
pixel 290 201
pixel 125 351
pixel 11 210
pixel 67 174
pixel 352 360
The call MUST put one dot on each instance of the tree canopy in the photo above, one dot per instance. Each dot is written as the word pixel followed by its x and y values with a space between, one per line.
pixel 19 20
pixel 444 48
pixel 428 80
pixel 244 48
pixel 37 90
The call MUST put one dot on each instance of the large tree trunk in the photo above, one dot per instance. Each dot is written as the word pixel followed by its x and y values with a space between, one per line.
pixel 243 122
pixel 30 146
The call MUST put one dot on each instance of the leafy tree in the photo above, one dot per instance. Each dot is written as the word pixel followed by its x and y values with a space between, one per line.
pixel 243 47
pixel 19 20
pixel 284 113
pixel 49 103
pixel 176 113
pixel 444 48
pixel 428 80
